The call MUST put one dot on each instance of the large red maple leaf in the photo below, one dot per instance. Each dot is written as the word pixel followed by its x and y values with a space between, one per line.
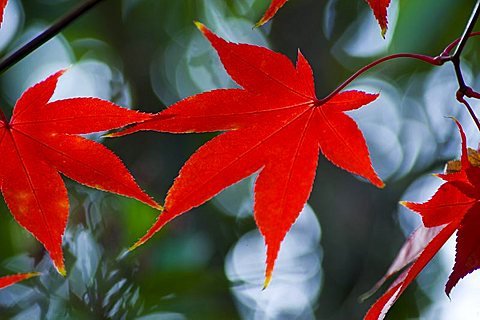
pixel 41 140
pixel 455 206
pixel 7 281
pixel 275 125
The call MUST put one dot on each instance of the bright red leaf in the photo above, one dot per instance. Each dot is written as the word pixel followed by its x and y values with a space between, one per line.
pixel 453 207
pixel 41 140
pixel 379 8
pixel 275 125
pixel 271 11
pixel 10 280
pixel 3 4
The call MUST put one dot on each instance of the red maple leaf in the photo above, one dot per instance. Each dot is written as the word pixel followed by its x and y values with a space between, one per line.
pixel 41 140
pixel 453 207
pixel 9 280
pixel 379 8
pixel 271 11
pixel 3 4
pixel 275 125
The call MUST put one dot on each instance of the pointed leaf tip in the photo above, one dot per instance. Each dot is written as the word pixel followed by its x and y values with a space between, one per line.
pixel 7 281
pixel 464 157
pixel 62 271
pixel 158 207
pixel 200 26
pixel 135 245
pixel 384 32
pixel 379 8
pixel 33 274
pixel 268 278
pixel 275 5
pixel 404 203
pixel 379 183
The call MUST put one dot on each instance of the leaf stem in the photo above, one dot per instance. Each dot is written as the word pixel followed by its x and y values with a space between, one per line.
pixel 48 34
pixel 436 61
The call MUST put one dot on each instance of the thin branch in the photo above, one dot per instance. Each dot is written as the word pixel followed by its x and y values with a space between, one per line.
pixel 436 61
pixel 458 73
pixel 48 34
pixel 463 89
pixel 449 48
pixel 461 99
pixel 468 29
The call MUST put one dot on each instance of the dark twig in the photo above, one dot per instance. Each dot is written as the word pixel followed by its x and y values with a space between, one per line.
pixel 468 29
pixel 58 26
pixel 463 89
pixel 461 99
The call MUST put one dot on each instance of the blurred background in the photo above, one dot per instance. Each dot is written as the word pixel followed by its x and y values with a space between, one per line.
pixel 209 263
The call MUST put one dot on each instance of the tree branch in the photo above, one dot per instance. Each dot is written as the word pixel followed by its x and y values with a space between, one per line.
pixel 461 99
pixel 463 89
pixel 48 34
pixel 468 29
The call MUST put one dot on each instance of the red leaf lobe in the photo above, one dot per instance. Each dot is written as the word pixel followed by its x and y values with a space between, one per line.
pixel 7 281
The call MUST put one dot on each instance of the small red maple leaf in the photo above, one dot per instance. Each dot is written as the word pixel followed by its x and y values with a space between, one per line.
pixel 271 11
pixel 275 125
pixel 41 140
pixel 379 8
pixel 7 281
pixel 455 206
pixel 3 4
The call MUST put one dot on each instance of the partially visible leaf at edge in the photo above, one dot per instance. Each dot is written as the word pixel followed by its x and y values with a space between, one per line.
pixel 40 141
pixel 3 4
pixel 275 125
pixel 10 280
pixel 379 8
pixel 271 11
pixel 409 252
pixel 384 303
pixel 453 207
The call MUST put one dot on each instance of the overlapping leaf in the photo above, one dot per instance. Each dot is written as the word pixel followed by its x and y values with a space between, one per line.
pixel 41 140
pixel 275 125
pixel 10 280
pixel 453 207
